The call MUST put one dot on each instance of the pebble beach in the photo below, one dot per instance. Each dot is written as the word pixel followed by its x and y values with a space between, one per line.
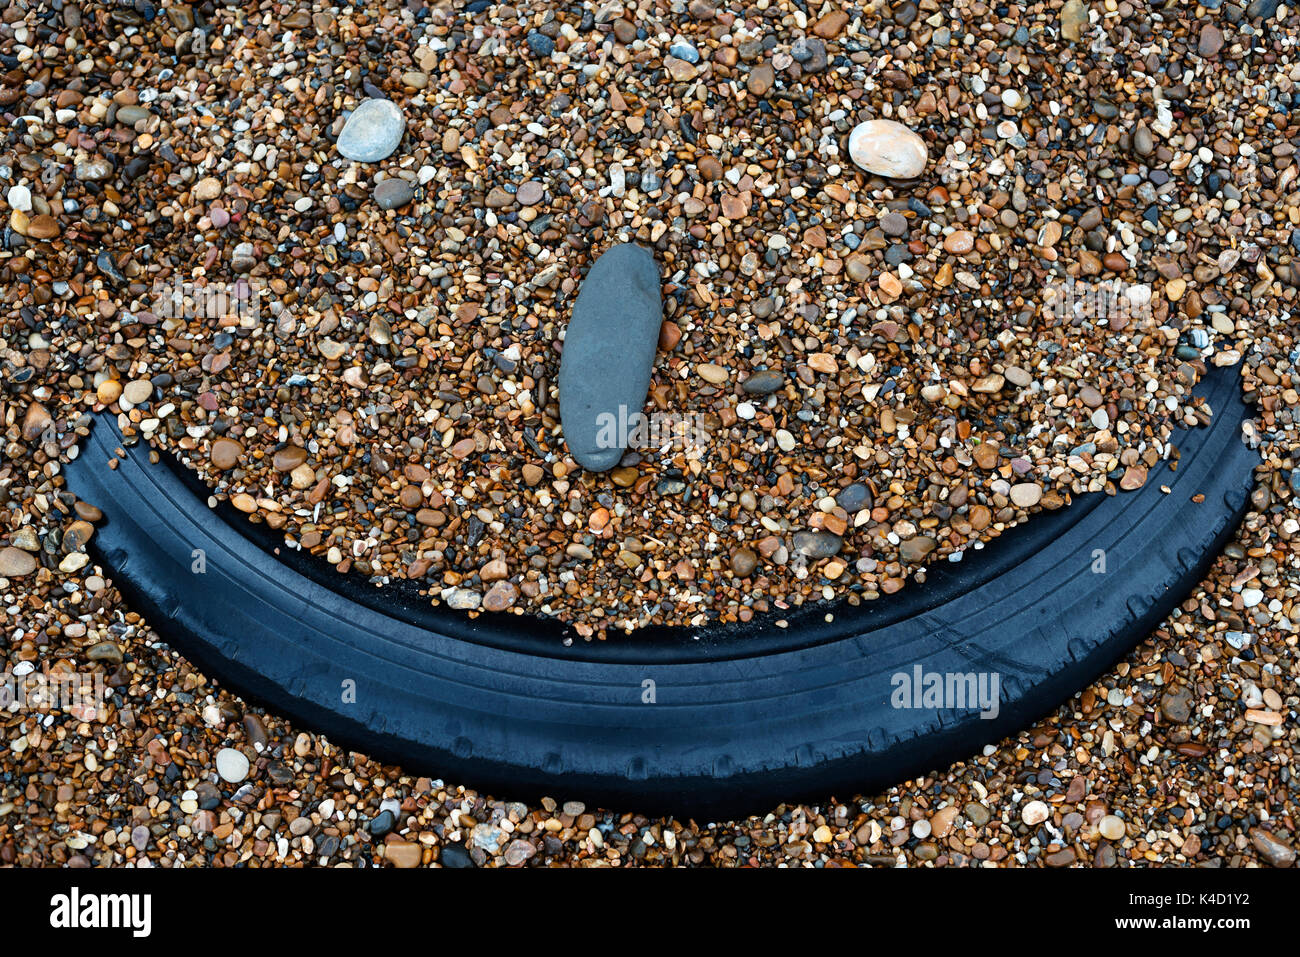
pixel 863 217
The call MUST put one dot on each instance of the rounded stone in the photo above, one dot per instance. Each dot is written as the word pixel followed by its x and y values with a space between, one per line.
pixel 743 562
pixel 609 351
pixel 1035 813
pixel 207 189
pixel 530 193
pixel 854 498
pixel 288 458
pixel 1026 494
pixel 763 382
pixel 20 198
pixel 372 131
pixel 888 149
pixel 15 563
pixel 1111 827
pixel 382 823
pixel 500 596
pixel 232 765
pixel 225 453
pixel 43 227
pixel 393 193
pixel 137 391
pixel 817 544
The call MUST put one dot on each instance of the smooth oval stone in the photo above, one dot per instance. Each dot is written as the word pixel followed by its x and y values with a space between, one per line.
pixel 854 498
pixel 15 563
pixel 393 193
pixel 763 382
pixel 232 765
pixel 372 132
pixel 609 351
pixel 131 115
pixel 817 544
pixel 888 149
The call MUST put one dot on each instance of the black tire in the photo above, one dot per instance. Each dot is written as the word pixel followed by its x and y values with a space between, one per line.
pixel 742 718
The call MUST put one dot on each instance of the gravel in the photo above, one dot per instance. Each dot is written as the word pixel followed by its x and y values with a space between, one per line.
pixel 411 356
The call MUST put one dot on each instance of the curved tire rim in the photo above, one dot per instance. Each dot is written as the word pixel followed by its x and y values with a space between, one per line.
pixel 715 721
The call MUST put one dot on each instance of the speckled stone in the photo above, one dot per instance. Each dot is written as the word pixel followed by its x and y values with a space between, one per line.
pixel 888 149
pixel 372 132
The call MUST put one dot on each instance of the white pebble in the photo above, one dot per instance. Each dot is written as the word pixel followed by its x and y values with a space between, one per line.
pixel 1035 812
pixel 888 149
pixel 20 198
pixel 232 765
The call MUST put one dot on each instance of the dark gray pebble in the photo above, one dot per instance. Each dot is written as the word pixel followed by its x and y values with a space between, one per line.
pixel 454 855
pixel 854 498
pixel 393 193
pixel 540 44
pixel 762 382
pixel 609 351
pixel 817 544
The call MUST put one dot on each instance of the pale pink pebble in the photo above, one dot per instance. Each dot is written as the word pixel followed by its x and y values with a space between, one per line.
pixel 887 148
pixel 219 216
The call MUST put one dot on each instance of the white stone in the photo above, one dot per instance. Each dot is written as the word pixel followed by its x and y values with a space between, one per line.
pixel 888 149
pixel 372 131
pixel 20 198
pixel 1035 812
pixel 232 765
pixel 74 562
pixel 1111 827
pixel 462 599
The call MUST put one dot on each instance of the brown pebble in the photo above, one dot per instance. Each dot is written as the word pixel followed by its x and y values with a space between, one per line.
pixel 959 241
pixel 403 854
pixel 288 458
pixel 43 227
pixel 500 596
pixel 743 562
pixel 761 79
pixel 225 453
